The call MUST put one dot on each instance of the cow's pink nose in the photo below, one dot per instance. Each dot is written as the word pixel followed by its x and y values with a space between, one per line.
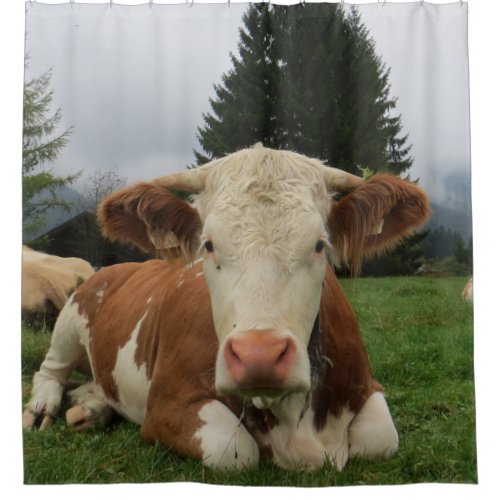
pixel 259 359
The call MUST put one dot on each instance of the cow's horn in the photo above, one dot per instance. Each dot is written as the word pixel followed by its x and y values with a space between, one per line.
pixel 336 179
pixel 192 180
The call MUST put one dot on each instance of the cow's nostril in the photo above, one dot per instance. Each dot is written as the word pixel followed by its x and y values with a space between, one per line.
pixel 284 352
pixel 231 354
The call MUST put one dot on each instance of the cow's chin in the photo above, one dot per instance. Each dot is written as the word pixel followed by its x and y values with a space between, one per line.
pixel 263 397
pixel 263 392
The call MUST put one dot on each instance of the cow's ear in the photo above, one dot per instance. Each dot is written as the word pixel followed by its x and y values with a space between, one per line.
pixel 151 218
pixel 374 217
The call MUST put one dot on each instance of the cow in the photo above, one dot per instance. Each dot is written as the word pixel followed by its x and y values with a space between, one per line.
pixel 47 283
pixel 244 347
pixel 468 292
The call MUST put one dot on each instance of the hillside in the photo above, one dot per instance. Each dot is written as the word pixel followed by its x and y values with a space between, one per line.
pixel 451 203
pixel 457 219
pixel 57 215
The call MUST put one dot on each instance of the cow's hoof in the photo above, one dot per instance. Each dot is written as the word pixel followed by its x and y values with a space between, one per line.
pixel 30 420
pixel 78 419
pixel 47 421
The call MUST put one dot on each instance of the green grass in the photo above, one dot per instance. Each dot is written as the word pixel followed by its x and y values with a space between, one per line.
pixel 420 340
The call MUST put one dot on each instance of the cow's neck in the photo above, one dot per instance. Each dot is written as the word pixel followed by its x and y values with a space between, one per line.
pixel 317 357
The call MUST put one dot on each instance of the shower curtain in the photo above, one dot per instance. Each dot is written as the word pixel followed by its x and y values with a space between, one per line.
pixel 116 94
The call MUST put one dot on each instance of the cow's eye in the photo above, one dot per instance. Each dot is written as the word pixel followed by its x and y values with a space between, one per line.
pixel 320 245
pixel 209 246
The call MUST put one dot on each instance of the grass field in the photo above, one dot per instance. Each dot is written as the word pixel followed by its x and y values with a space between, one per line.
pixel 419 336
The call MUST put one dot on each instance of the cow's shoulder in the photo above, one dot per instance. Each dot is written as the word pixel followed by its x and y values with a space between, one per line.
pixel 123 282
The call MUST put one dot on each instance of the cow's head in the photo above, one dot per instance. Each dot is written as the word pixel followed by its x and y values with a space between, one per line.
pixel 264 221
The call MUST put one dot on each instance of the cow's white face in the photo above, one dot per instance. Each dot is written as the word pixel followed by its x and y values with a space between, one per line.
pixel 264 240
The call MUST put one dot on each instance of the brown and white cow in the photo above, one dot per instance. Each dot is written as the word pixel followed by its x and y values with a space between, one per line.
pixel 248 348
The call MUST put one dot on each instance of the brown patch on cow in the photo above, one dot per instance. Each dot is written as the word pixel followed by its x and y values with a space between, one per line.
pixel 266 452
pixel 184 369
pixel 345 380
pixel 166 295
pixel 271 419
pixel 152 219
pixel 259 420
pixel 147 348
pixel 355 220
pixel 112 308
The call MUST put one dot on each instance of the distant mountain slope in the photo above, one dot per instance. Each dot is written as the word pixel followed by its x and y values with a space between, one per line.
pixel 56 216
pixel 457 219
pixel 451 203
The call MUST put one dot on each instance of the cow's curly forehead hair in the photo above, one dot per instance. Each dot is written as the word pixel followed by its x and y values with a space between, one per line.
pixel 281 182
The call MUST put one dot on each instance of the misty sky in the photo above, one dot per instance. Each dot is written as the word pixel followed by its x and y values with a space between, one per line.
pixel 134 81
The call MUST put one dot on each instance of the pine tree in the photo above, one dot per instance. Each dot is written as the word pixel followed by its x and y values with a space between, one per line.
pixel 40 146
pixel 405 260
pixel 244 111
pixel 308 79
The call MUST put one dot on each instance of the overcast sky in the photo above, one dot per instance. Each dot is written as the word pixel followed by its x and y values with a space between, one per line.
pixel 134 81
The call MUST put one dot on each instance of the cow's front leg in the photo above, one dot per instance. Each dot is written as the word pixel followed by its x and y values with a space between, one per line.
pixel 208 431
pixel 372 433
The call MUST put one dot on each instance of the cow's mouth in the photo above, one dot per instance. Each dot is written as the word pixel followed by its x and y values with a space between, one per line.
pixel 262 392
pixel 266 391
